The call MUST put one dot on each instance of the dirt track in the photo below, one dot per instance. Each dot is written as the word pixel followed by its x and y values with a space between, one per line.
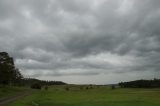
pixel 5 101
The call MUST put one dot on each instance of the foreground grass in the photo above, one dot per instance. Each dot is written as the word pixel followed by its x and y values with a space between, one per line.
pixel 103 96
pixel 7 91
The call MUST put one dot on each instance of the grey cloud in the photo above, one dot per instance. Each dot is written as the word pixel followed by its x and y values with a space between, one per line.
pixel 57 36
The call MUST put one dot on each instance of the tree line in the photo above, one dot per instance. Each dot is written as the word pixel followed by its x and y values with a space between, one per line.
pixel 10 75
pixel 30 81
pixel 154 83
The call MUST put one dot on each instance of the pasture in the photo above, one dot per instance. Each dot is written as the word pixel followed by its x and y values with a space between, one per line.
pixel 71 95
pixel 7 91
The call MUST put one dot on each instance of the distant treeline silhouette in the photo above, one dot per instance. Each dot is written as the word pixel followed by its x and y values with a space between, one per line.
pixel 155 83
pixel 30 81
pixel 10 75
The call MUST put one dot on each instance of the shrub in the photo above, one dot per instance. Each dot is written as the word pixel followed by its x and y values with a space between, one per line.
pixel 113 87
pixel 36 86
pixel 67 89
pixel 87 88
pixel 46 88
pixel 81 88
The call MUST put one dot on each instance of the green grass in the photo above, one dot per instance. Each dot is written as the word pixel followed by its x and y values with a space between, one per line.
pixel 103 96
pixel 7 91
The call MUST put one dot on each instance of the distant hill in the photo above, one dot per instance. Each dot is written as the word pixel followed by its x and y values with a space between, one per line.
pixel 155 83
pixel 30 81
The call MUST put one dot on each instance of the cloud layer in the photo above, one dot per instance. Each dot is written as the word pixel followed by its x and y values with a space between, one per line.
pixel 82 41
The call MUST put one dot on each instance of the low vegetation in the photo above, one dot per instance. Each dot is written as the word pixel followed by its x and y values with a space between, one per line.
pixel 95 96
pixel 7 91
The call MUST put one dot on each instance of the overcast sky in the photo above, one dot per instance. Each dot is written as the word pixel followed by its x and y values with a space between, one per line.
pixel 82 41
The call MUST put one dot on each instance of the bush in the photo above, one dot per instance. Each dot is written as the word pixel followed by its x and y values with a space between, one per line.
pixel 46 88
pixel 81 88
pixel 113 87
pixel 36 86
pixel 67 89
pixel 87 88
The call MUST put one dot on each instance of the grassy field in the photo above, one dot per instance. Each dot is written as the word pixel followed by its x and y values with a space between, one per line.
pixel 7 91
pixel 97 96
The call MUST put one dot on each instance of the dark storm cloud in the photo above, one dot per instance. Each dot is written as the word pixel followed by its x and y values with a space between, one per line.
pixel 87 37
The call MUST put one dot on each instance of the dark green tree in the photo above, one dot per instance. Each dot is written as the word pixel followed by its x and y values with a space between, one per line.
pixel 9 74
pixel 17 77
